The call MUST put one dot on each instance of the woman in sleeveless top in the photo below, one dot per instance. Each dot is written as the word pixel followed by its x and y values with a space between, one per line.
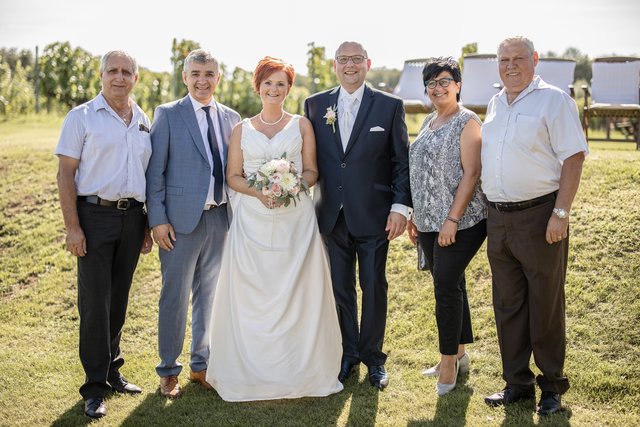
pixel 449 211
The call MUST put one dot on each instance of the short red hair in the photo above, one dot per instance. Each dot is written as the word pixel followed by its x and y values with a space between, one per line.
pixel 268 66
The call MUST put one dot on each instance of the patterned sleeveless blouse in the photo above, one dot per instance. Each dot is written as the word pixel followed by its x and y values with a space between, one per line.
pixel 435 170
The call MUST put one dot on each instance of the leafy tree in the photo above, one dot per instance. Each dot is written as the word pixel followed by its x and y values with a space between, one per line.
pixel 383 78
pixel 467 49
pixel 237 92
pixel 179 51
pixel 320 69
pixel 583 63
pixel 16 91
pixel 68 76
pixel 12 57
pixel 152 90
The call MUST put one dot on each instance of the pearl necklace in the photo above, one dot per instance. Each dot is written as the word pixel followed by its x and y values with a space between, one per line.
pixel 270 124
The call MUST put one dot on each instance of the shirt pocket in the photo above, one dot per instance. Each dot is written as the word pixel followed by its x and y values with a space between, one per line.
pixel 529 130
pixel 142 146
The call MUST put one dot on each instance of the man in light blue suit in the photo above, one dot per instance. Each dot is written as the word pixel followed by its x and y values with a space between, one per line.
pixel 188 214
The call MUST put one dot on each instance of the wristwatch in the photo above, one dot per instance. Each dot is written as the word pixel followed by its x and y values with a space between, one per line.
pixel 561 213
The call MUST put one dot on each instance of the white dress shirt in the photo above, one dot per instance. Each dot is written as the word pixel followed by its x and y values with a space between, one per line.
pixel 113 156
pixel 202 124
pixel 524 143
pixel 349 105
pixel 355 100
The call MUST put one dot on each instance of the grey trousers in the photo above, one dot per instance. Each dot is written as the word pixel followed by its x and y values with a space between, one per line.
pixel 191 268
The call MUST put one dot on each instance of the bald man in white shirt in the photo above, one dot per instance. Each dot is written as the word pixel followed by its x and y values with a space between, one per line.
pixel 532 154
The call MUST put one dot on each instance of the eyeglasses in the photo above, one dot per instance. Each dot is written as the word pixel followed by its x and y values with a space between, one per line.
pixel 443 82
pixel 356 59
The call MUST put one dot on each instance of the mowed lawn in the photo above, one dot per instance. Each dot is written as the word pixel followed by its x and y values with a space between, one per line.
pixel 40 371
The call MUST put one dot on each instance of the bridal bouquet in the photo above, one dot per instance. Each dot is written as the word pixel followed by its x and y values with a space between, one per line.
pixel 279 180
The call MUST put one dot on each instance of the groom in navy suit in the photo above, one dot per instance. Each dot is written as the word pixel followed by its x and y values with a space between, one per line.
pixel 188 216
pixel 362 200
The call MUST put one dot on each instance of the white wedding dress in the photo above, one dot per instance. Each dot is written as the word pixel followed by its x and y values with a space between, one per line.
pixel 274 328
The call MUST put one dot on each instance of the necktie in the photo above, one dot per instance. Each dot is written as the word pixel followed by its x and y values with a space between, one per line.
pixel 218 175
pixel 347 120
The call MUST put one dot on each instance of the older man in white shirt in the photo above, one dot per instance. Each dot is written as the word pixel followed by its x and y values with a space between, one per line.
pixel 103 152
pixel 532 154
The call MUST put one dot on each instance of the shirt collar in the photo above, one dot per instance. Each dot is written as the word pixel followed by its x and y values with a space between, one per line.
pixel 100 102
pixel 357 95
pixel 197 105
pixel 536 83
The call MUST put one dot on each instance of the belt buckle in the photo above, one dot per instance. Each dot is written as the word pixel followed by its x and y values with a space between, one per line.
pixel 123 204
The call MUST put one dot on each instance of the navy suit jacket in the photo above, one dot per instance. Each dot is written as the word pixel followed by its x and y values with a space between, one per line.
pixel 179 174
pixel 372 173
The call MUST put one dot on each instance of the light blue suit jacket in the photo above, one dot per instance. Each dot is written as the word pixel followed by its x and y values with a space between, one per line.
pixel 179 173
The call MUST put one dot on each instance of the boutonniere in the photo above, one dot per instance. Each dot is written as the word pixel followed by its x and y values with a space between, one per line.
pixel 331 117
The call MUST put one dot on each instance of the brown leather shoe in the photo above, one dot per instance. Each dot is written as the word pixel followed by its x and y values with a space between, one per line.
pixel 170 387
pixel 200 378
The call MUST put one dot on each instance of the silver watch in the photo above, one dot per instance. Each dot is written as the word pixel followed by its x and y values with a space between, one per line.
pixel 561 213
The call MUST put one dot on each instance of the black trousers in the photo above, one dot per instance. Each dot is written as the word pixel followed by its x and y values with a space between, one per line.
pixel 363 343
pixel 528 296
pixel 447 265
pixel 114 239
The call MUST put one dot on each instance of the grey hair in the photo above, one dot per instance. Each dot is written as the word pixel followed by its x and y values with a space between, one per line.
pixel 200 56
pixel 356 43
pixel 517 39
pixel 108 55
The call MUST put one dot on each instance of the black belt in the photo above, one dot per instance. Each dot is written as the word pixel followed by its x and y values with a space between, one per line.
pixel 209 207
pixel 519 206
pixel 121 204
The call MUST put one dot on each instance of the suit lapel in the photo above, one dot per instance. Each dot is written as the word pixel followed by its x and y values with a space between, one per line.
pixel 189 116
pixel 332 101
pixel 363 111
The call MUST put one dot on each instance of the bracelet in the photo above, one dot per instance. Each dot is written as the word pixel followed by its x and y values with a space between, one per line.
pixel 452 219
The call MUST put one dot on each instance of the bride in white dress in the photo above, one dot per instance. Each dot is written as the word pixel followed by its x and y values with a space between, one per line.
pixel 274 328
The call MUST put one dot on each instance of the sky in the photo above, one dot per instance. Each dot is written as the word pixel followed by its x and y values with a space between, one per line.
pixel 240 32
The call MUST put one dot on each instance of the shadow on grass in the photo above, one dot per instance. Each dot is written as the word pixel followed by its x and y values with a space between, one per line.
pixel 201 407
pixel 524 414
pixel 74 416
pixel 451 409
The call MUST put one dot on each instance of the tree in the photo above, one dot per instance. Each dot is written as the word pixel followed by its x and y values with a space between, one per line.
pixel 70 76
pixel 383 78
pixel 12 57
pixel 237 92
pixel 152 89
pixel 583 63
pixel 179 51
pixel 320 69
pixel 467 49
pixel 16 91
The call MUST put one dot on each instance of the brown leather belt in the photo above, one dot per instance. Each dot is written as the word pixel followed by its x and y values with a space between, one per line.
pixel 121 204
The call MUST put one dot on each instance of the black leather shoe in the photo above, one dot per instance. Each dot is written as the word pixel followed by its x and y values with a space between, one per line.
pixel 549 403
pixel 94 407
pixel 378 376
pixel 121 385
pixel 345 369
pixel 509 395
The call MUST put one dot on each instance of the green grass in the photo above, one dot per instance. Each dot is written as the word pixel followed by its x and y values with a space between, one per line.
pixel 41 373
